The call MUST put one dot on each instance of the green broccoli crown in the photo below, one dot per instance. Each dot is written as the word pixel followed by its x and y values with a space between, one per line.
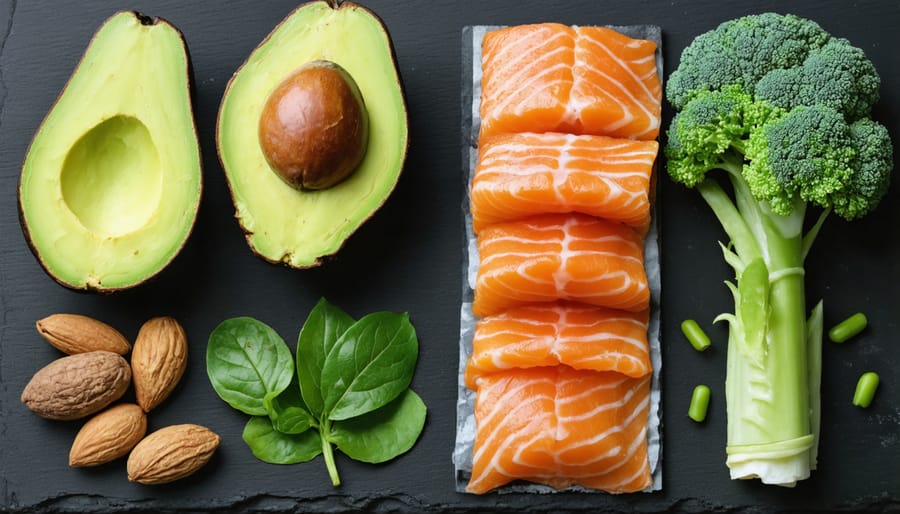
pixel 838 75
pixel 741 52
pixel 773 96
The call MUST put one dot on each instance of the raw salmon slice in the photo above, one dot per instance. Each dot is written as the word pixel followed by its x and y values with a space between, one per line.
pixel 616 90
pixel 561 427
pixel 577 335
pixel 519 175
pixel 560 257
pixel 527 79
pixel 553 78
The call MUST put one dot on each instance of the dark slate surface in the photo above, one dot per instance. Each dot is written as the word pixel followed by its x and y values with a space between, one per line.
pixel 408 257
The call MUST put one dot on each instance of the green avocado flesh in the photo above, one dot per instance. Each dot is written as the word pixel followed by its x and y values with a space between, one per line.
pixel 111 184
pixel 297 227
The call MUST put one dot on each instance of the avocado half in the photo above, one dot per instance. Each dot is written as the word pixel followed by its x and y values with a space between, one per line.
pixel 111 183
pixel 301 227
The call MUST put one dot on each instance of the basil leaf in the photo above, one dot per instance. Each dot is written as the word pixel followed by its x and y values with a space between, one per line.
pixel 325 324
pixel 245 360
pixel 369 365
pixel 287 411
pixel 384 433
pixel 270 445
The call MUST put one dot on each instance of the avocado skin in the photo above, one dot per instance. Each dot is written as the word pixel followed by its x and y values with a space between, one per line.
pixel 402 90
pixel 192 94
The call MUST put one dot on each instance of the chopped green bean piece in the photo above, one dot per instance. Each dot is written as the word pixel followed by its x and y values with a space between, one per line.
pixel 848 328
pixel 699 403
pixel 865 389
pixel 697 337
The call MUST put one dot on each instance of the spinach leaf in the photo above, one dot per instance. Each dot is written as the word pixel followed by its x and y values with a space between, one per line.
pixel 270 445
pixel 369 365
pixel 325 324
pixel 245 360
pixel 287 411
pixel 382 434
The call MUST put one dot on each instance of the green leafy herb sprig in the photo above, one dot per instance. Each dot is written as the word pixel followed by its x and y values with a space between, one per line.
pixel 349 387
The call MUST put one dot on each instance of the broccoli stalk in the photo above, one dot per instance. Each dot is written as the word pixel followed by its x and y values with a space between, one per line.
pixel 769 432
pixel 755 104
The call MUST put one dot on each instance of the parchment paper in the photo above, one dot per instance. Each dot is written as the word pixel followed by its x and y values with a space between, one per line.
pixel 465 407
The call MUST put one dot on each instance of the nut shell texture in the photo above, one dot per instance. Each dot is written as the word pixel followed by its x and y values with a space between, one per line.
pixel 158 360
pixel 78 385
pixel 171 453
pixel 74 333
pixel 108 435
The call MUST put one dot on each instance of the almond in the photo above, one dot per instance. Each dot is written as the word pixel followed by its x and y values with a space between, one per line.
pixel 73 333
pixel 158 360
pixel 108 436
pixel 78 385
pixel 171 453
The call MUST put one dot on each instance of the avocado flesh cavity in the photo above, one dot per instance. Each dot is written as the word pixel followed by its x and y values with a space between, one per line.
pixel 295 227
pixel 111 183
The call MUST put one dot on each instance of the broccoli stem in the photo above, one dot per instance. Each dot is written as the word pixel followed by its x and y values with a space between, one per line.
pixel 767 394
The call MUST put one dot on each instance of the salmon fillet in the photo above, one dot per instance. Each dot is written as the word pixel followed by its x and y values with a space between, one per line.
pixel 519 175
pixel 553 78
pixel 561 427
pixel 616 90
pixel 577 335
pixel 527 79
pixel 560 257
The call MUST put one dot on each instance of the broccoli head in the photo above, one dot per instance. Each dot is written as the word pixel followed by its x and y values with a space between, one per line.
pixel 779 101
pixel 741 52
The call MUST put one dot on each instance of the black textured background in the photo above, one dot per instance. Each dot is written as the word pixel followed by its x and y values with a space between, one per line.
pixel 408 257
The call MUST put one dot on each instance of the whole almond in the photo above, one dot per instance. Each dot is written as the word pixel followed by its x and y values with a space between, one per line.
pixel 171 453
pixel 158 360
pixel 74 333
pixel 108 436
pixel 78 385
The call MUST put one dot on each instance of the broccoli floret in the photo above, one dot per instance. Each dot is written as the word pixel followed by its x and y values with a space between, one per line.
pixel 807 153
pixel 871 166
pixel 711 131
pixel 741 52
pixel 702 132
pixel 838 75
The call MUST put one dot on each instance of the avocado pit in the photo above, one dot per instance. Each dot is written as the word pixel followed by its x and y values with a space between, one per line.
pixel 313 130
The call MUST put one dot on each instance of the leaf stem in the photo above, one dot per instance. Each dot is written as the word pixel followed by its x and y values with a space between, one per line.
pixel 328 453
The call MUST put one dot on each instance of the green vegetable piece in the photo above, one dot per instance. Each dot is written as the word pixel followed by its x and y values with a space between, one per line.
pixel 699 403
pixel 370 365
pixel 753 288
pixel 814 331
pixel 325 324
pixel 865 389
pixel 287 411
pixel 246 360
pixel 274 447
pixel 848 328
pixel 382 434
pixel 695 335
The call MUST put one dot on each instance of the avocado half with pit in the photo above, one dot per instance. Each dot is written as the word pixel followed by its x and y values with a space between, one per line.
pixel 297 217
pixel 111 183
